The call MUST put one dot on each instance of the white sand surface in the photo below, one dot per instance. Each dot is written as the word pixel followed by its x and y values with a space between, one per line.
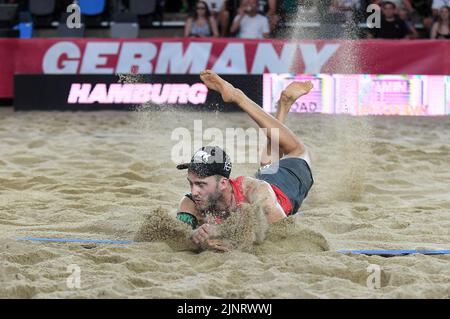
pixel 380 182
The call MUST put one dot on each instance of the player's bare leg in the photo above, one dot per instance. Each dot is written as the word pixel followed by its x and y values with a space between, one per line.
pixel 289 143
pixel 288 97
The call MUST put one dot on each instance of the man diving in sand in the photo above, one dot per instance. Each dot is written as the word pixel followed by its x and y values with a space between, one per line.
pixel 279 187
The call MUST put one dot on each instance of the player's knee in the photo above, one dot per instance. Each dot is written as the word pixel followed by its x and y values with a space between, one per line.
pixel 298 150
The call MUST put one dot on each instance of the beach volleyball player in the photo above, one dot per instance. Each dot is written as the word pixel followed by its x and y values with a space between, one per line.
pixel 280 185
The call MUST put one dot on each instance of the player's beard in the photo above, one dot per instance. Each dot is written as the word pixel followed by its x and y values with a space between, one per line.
pixel 211 203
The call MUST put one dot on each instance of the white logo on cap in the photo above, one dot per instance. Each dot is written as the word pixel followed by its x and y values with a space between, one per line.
pixel 201 157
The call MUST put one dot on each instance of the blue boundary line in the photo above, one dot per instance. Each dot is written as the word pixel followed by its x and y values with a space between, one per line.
pixel 84 241
pixel 391 252
pixel 394 252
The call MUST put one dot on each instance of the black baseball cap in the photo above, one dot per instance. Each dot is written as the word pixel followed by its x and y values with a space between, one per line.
pixel 209 161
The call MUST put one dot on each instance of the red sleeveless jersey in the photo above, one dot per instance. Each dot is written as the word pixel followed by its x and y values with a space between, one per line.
pixel 239 196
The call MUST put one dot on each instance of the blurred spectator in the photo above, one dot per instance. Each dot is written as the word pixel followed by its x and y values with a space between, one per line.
pixel 418 11
pixel 348 7
pixel 269 8
pixel 403 4
pixel 405 17
pixel 201 23
pixel 399 4
pixel 249 23
pixel 441 28
pixel 437 4
pixel 422 13
pixel 219 10
pixel 392 27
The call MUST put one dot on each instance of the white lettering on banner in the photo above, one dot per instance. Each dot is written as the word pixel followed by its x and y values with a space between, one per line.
pixel 55 53
pixel 314 60
pixel 79 93
pixel 141 93
pixel 232 60
pixel 93 57
pixel 138 93
pixel 172 60
pixel 136 54
pixel 160 93
pixel 179 93
pixel 267 57
pixel 66 57
pixel 98 94
pixel 197 94
pixel 119 93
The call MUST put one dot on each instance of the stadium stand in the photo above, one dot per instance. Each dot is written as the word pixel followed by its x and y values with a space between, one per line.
pixel 92 7
pixel 42 12
pixel 93 12
pixel 156 18
pixel 124 25
pixel 8 17
pixel 25 25
pixel 144 9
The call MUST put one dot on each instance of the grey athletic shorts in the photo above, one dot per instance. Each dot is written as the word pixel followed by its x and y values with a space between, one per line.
pixel 292 175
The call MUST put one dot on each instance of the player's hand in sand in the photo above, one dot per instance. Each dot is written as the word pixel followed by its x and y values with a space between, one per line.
pixel 203 233
pixel 204 236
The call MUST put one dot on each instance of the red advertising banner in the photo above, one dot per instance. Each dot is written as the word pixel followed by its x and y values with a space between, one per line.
pixel 224 56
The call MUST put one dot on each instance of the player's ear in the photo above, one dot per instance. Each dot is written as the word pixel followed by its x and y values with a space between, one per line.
pixel 223 182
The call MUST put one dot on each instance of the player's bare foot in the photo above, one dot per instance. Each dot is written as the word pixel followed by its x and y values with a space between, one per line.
pixel 216 83
pixel 289 95
pixel 295 90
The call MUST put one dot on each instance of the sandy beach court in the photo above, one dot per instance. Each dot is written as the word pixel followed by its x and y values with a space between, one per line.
pixel 380 182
